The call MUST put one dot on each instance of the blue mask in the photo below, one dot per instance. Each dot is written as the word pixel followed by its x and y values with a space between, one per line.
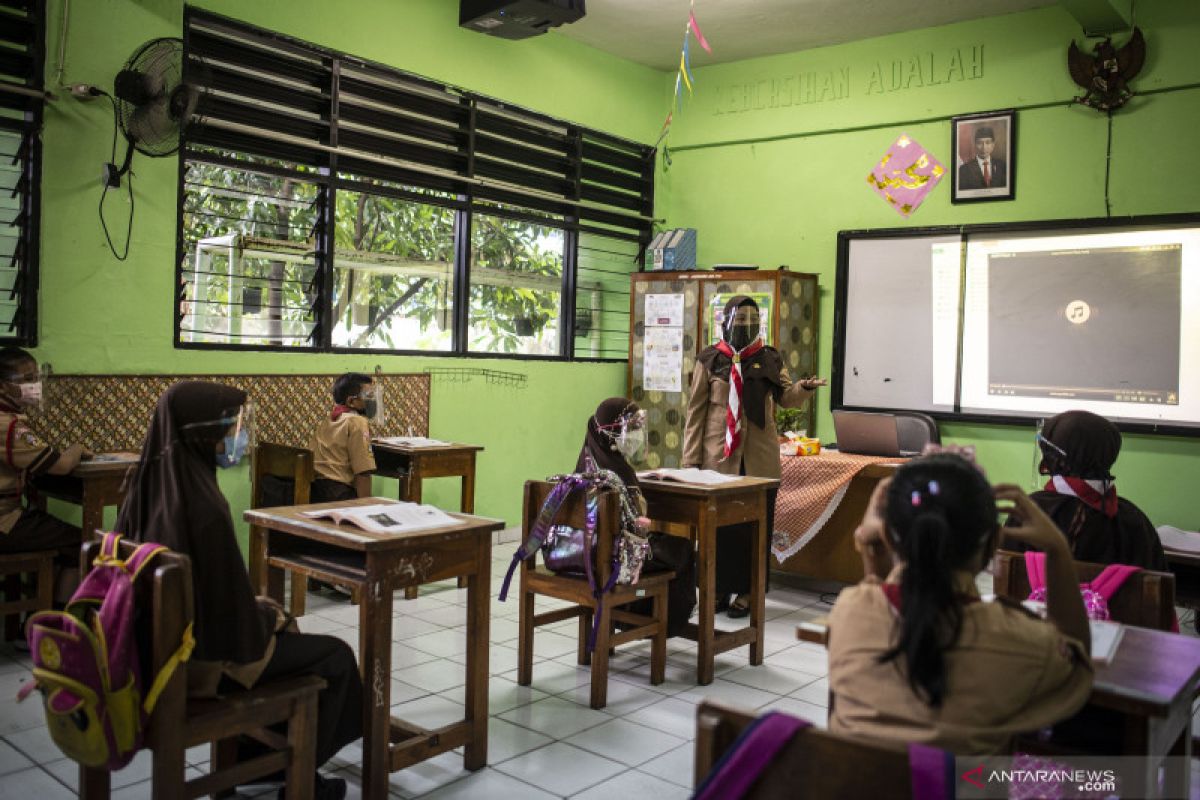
pixel 235 449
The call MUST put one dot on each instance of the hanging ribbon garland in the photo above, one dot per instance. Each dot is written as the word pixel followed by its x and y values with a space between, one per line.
pixel 683 78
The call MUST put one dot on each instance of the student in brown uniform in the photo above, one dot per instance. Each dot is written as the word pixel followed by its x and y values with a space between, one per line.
pixel 241 641
pixel 1078 450
pixel 916 656
pixel 26 456
pixel 730 427
pixel 341 446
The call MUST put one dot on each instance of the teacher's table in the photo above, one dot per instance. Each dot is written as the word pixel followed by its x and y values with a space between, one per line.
pixel 412 464
pixel 703 509
pixel 821 500
pixel 377 565
pixel 94 484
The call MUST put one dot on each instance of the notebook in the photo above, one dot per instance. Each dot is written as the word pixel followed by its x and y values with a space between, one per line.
pixel 868 434
pixel 705 477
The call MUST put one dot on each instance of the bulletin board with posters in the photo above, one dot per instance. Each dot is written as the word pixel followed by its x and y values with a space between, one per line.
pixel 685 315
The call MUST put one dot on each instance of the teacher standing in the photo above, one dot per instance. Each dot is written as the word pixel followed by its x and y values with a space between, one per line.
pixel 736 386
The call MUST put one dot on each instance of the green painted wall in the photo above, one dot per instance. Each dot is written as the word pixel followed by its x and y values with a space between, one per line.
pixel 99 315
pixel 770 161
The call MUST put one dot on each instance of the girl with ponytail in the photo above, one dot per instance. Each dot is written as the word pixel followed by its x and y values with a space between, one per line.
pixel 915 656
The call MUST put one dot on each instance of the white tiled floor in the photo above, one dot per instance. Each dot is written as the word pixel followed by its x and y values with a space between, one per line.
pixel 544 740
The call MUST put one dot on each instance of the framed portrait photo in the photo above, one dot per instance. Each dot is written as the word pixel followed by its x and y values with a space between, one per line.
pixel 984 147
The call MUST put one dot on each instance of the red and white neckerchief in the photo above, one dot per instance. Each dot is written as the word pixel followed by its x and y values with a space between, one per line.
pixel 340 409
pixel 733 412
pixel 1100 495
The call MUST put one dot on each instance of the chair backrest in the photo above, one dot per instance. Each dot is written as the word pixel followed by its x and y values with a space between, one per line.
pixel 822 763
pixel 282 461
pixel 165 598
pixel 915 430
pixel 1146 599
pixel 573 513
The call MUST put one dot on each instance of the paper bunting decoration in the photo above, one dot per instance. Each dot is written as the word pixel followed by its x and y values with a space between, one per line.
pixel 905 175
pixel 684 77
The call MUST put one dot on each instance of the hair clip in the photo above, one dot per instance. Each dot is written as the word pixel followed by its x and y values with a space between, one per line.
pixel 934 488
pixel 915 499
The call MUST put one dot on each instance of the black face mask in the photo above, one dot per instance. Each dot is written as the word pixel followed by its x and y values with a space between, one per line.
pixel 370 408
pixel 740 336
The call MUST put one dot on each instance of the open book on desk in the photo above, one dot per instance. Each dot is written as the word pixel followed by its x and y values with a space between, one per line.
pixel 702 477
pixel 412 441
pixel 387 517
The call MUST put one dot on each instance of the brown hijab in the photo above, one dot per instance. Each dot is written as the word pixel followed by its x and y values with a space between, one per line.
pixel 174 500
pixel 760 372
pixel 1090 441
pixel 600 446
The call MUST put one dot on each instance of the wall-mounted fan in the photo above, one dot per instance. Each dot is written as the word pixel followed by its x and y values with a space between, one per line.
pixel 152 104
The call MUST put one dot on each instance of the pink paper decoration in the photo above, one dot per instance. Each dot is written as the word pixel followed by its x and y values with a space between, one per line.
pixel 905 175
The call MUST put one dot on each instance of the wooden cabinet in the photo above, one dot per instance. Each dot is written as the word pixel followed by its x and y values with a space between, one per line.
pixel 788 302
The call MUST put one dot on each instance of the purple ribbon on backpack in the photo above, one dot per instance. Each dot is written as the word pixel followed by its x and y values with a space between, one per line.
pixel 541 528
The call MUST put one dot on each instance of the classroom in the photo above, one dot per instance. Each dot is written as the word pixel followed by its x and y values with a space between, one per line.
pixel 914 287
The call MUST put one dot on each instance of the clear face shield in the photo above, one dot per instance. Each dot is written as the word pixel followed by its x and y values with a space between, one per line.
pixel 371 395
pixel 628 434
pixel 238 434
pixel 1042 445
pixel 742 327
pixel 23 386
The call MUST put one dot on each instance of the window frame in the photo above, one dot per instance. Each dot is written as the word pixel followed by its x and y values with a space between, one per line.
pixel 29 99
pixel 471 196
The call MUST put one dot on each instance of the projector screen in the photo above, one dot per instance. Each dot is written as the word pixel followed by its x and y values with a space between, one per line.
pixel 1103 318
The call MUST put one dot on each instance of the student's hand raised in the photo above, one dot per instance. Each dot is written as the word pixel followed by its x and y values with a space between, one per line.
pixel 870 537
pixel 1034 528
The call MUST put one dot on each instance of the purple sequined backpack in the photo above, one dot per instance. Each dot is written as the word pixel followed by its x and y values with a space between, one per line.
pixel 571 551
pixel 86 663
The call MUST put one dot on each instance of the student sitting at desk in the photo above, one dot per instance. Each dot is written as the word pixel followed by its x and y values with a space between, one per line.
pixel 240 642
pixel 916 656
pixel 26 456
pixel 616 435
pixel 342 457
pixel 1078 451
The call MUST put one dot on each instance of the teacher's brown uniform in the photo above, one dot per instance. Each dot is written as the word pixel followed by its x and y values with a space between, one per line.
pixel 757 455
pixel 704 431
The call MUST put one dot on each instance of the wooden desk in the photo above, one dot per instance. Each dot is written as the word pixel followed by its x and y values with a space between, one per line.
pixel 1186 567
pixel 703 509
pixel 91 485
pixel 1151 683
pixel 829 555
pixel 411 465
pixel 377 565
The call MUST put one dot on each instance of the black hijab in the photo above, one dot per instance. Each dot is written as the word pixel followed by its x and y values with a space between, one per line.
pixel 1091 444
pixel 760 372
pixel 174 500
pixel 601 447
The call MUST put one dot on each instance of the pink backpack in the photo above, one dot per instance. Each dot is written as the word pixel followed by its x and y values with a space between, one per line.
pixel 1096 593
pixel 86 663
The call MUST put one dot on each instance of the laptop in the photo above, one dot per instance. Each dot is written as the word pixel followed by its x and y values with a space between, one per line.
pixel 867 434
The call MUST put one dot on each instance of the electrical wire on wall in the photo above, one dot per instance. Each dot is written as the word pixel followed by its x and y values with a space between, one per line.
pixel 108 184
pixel 1108 168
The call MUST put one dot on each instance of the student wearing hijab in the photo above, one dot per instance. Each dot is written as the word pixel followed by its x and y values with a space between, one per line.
pixel 916 656
pixel 616 435
pixel 240 641
pixel 736 386
pixel 1078 451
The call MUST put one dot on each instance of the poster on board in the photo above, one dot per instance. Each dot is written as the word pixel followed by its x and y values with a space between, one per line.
pixel 663 343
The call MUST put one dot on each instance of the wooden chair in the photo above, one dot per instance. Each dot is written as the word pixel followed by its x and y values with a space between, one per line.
pixel 537 580
pixel 1146 599
pixel 179 723
pixel 286 463
pixel 18 596
pixel 822 764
